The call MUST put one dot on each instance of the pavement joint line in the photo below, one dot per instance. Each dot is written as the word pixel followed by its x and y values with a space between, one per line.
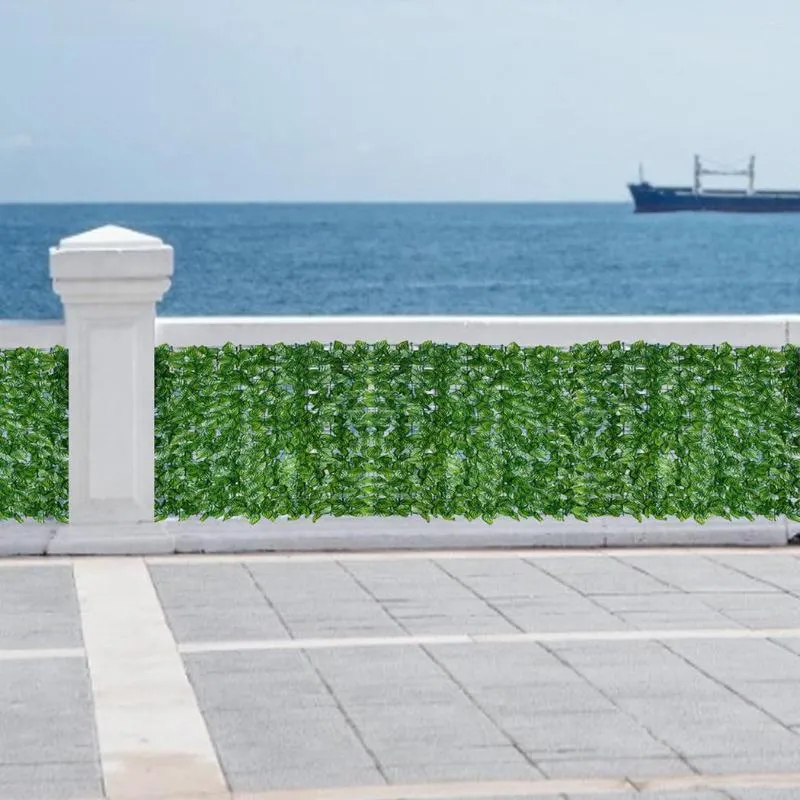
pixel 470 697
pixel 741 571
pixel 485 600
pixel 620 707
pixel 540 788
pixel 29 654
pixel 320 676
pixel 466 554
pixel 738 571
pixel 152 737
pixel 410 555
pixel 475 701
pixel 487 638
pixel 730 687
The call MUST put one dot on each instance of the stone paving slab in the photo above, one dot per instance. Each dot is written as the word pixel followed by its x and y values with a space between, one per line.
pixel 783 573
pixel 205 586
pixel 616 577
pixel 756 610
pixel 672 611
pixel 214 603
pixel 39 608
pixel 423 598
pixel 430 597
pixel 322 600
pixel 42 781
pixel 48 742
pixel 495 711
pixel 700 575
pixel 338 711
pixel 277 725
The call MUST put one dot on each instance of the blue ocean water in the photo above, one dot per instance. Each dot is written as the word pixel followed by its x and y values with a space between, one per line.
pixel 254 259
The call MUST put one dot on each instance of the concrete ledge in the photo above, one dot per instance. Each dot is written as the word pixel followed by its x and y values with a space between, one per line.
pixel 107 540
pixel 25 538
pixel 382 533
pixel 39 334
pixel 770 330
pixel 414 533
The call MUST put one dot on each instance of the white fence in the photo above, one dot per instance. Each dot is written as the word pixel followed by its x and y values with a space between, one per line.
pixel 110 280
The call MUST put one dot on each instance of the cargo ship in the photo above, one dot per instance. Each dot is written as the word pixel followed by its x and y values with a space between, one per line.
pixel 651 199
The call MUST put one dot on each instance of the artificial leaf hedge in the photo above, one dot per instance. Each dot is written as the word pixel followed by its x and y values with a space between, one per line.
pixel 477 431
pixel 34 434
pixel 438 430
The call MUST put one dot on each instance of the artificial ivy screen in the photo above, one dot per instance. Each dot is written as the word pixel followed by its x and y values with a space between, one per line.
pixel 477 431
pixel 439 430
pixel 34 460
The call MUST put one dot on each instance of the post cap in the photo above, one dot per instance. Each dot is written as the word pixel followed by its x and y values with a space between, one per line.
pixel 110 264
pixel 110 237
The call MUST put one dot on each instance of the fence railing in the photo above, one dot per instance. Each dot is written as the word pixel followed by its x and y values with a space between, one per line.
pixel 110 280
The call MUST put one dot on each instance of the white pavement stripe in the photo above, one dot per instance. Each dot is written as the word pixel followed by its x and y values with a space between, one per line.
pixel 440 555
pixel 320 644
pixel 542 788
pixel 447 791
pixel 487 638
pixel 152 736
pixel 741 780
pixel 641 636
pixel 33 653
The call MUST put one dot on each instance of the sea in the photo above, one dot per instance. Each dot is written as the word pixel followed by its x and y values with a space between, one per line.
pixel 465 258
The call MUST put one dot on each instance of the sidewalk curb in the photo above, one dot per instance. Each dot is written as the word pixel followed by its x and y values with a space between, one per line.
pixel 344 534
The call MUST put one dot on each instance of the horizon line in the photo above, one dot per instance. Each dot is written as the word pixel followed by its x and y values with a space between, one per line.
pixel 308 202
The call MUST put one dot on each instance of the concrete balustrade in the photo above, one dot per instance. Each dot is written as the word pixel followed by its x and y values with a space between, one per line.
pixel 109 281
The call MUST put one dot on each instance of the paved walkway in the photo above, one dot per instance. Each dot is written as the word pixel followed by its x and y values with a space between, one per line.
pixel 669 675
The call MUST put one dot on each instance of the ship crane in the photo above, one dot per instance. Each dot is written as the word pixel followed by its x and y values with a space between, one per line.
pixel 699 171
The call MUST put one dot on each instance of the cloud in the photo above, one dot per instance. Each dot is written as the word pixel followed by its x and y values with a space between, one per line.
pixel 16 142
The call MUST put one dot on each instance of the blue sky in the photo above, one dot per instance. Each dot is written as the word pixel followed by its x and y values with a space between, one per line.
pixel 318 100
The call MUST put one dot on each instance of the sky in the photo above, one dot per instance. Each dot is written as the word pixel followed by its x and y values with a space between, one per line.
pixel 390 100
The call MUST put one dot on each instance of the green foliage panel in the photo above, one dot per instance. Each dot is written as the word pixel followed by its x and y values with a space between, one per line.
pixel 477 431
pixel 34 434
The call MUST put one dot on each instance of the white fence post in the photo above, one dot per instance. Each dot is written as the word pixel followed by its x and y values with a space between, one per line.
pixel 109 281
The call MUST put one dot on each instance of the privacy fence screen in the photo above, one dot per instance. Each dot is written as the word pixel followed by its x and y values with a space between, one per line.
pixel 476 431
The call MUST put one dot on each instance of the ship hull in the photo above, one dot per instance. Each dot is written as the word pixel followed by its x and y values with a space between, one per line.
pixel 649 199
